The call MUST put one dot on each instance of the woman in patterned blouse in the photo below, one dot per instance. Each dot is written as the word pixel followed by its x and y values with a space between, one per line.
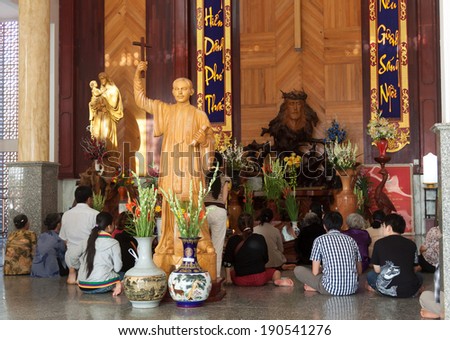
pixel 429 250
pixel 20 248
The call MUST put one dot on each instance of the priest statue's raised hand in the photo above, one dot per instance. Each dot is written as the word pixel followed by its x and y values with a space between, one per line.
pixel 187 143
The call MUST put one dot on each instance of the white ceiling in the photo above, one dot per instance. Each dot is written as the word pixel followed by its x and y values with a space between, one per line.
pixel 9 10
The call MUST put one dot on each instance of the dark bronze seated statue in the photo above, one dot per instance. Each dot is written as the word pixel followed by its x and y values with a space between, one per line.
pixel 293 126
pixel 292 131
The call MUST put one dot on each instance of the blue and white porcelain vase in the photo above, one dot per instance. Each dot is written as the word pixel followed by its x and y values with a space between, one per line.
pixel 189 285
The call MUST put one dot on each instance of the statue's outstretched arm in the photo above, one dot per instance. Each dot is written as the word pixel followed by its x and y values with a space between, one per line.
pixel 142 101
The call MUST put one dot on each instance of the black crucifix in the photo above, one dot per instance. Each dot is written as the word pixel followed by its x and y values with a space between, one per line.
pixel 143 46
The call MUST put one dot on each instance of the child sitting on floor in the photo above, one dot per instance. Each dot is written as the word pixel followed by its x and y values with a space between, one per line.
pixel 98 259
pixel 50 250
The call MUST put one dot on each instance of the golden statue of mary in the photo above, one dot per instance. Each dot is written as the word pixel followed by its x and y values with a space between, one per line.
pixel 105 110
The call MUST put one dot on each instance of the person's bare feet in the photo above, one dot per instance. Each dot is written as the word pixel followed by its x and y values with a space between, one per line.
pixel 288 266
pixel 72 278
pixel 369 288
pixel 420 291
pixel 426 314
pixel 308 288
pixel 284 282
pixel 117 289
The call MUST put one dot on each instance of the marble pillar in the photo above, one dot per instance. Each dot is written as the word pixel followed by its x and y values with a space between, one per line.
pixel 443 132
pixel 34 80
pixel 32 190
pixel 33 180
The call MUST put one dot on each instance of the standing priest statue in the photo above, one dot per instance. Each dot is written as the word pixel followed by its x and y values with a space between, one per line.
pixel 188 142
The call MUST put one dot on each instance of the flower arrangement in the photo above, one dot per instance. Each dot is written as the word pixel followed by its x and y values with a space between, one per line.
pixel 291 204
pixel 335 132
pixel 142 210
pixel 153 175
pixel 189 215
pixel 380 127
pixel 292 164
pixel 342 155
pixel 152 180
pixel 158 206
pixel 234 156
pixel 361 190
pixel 123 178
pixel 274 181
pixel 93 148
pixel 248 199
pixel 98 201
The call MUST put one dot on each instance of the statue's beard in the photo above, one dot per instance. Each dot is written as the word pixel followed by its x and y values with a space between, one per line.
pixel 295 124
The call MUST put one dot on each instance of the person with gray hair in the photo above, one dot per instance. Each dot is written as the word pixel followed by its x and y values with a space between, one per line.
pixel 310 228
pixel 356 229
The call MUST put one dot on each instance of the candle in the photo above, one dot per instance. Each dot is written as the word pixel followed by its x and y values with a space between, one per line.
pixel 430 169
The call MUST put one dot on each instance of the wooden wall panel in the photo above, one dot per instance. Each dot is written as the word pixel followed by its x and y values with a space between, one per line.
pixel 328 67
pixel 268 62
pixel 82 56
pixel 125 23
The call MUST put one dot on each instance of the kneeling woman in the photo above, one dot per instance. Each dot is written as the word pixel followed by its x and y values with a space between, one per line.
pixel 98 259
pixel 248 254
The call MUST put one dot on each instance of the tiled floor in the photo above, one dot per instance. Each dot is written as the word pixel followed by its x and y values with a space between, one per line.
pixel 26 298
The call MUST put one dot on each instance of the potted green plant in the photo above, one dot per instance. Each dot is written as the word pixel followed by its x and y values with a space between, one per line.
pixel 362 187
pixel 274 183
pixel 292 167
pixel 98 201
pixel 248 199
pixel 291 205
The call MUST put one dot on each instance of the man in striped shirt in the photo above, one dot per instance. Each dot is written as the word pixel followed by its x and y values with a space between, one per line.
pixel 336 261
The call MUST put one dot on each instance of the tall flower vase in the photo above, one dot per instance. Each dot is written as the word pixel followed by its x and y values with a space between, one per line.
pixel 122 193
pixel 382 145
pixel 98 166
pixel 345 201
pixel 189 285
pixel 234 209
pixel 158 226
pixel 145 284
pixel 295 227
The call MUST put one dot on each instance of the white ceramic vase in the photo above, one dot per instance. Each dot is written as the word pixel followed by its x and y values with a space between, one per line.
pixel 295 227
pixel 145 284
pixel 158 228
pixel 99 167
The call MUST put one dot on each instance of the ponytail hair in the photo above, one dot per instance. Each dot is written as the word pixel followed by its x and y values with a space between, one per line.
pixel 216 186
pixel 102 220
pixel 266 215
pixel 245 224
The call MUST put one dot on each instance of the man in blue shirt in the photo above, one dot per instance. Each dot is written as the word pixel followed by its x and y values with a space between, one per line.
pixel 336 261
